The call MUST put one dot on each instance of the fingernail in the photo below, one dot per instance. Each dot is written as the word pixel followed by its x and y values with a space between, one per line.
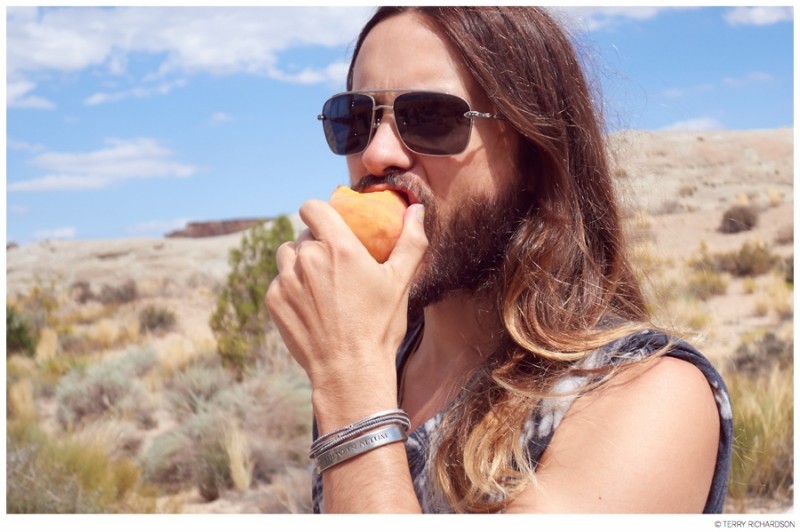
pixel 419 212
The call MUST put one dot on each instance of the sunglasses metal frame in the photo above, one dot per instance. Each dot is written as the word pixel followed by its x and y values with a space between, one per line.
pixel 470 114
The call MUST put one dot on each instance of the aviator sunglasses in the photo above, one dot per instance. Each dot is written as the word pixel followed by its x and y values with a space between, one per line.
pixel 429 123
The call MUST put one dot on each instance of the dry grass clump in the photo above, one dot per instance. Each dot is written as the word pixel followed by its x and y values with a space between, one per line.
pixel 110 333
pixel 119 437
pixel 120 294
pixel 762 394
pixel 176 352
pixel 241 464
pixel 20 402
pixel 47 475
pixel 639 227
pixel 778 298
pixel 739 218
pixel 752 259
pixel 749 285
pixel 110 387
pixel 775 197
pixel 763 464
pixel 706 284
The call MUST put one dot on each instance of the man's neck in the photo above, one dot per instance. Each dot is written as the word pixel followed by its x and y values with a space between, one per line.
pixel 460 332
pixel 460 326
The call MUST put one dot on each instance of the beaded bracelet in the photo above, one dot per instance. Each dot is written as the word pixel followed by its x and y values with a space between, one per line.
pixel 367 442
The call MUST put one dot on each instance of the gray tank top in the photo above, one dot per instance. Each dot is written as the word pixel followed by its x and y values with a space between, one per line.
pixel 546 417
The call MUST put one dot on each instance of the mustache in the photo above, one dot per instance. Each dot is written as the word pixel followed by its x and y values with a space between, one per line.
pixel 398 180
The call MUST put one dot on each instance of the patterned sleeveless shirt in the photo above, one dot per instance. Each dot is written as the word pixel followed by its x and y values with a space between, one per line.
pixel 545 418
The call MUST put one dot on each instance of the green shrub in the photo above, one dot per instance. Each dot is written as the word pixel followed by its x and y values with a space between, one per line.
pixel 19 336
pixel 271 410
pixel 154 319
pixel 191 453
pixel 190 391
pixel 26 318
pixel 240 318
pixel 275 411
pixel 739 218
pixel 110 387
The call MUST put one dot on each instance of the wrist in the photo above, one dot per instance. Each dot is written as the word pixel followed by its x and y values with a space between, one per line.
pixel 335 408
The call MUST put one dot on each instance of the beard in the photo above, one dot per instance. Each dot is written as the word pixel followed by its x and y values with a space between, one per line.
pixel 466 250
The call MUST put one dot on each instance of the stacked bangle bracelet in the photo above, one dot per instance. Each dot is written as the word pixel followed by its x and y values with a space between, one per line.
pixel 364 435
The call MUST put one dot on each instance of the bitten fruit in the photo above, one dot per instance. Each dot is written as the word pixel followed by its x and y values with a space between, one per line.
pixel 376 218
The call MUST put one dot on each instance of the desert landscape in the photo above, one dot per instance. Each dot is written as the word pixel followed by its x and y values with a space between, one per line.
pixel 125 363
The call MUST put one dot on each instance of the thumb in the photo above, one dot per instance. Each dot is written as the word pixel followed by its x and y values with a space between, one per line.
pixel 412 244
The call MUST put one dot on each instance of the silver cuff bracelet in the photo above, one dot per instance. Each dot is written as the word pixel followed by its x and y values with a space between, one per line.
pixel 350 449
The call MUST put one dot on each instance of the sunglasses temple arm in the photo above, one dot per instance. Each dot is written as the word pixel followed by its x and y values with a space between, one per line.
pixel 477 114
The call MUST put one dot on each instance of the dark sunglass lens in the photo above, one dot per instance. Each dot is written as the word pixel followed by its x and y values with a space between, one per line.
pixel 348 123
pixel 432 123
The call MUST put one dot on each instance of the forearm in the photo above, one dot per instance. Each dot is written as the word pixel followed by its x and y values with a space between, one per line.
pixel 342 316
pixel 377 481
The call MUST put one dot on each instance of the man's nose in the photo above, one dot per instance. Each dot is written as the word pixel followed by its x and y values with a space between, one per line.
pixel 386 149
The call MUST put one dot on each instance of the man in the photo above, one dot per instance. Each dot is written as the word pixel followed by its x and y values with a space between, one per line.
pixel 526 379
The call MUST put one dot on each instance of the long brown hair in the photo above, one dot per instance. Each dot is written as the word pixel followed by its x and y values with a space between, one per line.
pixel 566 287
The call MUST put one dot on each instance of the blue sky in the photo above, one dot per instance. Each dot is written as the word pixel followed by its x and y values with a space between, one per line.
pixel 129 122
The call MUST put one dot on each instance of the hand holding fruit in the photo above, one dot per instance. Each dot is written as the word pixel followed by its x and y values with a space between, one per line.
pixel 342 314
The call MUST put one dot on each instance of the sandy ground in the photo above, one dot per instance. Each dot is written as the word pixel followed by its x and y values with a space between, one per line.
pixel 678 184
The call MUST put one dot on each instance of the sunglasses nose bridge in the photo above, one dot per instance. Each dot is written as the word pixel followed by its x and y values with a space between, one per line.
pixel 377 121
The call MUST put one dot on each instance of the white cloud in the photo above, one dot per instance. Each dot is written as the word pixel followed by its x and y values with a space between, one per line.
pixel 678 92
pixel 20 145
pixel 758 16
pixel 156 227
pixel 18 209
pixel 598 18
pixel 704 123
pixel 17 95
pixel 220 118
pixel 184 40
pixel 120 160
pixel 136 92
pixel 751 77
pixel 57 233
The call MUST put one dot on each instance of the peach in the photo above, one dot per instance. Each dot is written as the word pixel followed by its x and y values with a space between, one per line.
pixel 376 218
